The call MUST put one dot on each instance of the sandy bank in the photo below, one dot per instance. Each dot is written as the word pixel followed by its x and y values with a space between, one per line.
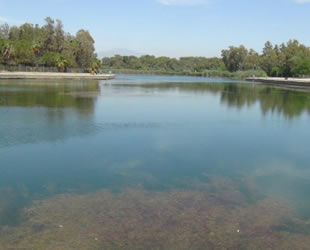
pixel 297 82
pixel 51 75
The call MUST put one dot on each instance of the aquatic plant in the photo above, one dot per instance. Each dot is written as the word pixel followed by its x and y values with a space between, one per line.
pixel 136 219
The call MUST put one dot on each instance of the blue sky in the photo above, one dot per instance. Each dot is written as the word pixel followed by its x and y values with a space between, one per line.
pixel 171 27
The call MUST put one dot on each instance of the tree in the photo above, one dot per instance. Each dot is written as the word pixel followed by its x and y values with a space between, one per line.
pixel 301 66
pixel 270 60
pixel 26 32
pixel 95 66
pixel 251 61
pixel 69 50
pixel 148 61
pixel 7 52
pixel 84 50
pixel 61 63
pixel 36 48
pixel 49 59
pixel 287 53
pixel 4 31
pixel 234 57
pixel 48 45
pixel 14 33
pixel 23 53
pixel 59 36
pixel 48 38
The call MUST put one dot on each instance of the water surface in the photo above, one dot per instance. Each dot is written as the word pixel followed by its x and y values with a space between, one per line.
pixel 226 162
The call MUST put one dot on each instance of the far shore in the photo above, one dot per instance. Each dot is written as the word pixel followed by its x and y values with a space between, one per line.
pixel 54 75
pixel 281 81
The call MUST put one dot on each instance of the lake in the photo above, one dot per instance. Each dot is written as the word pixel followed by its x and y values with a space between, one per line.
pixel 153 162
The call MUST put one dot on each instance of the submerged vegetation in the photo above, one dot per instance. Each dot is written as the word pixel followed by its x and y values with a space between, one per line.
pixel 151 184
pixel 137 219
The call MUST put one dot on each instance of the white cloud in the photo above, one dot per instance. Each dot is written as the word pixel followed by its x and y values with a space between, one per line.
pixel 201 2
pixel 10 21
pixel 183 2
pixel 302 1
pixel 4 20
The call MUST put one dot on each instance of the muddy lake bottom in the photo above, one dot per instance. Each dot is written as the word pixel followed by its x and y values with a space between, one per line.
pixel 153 162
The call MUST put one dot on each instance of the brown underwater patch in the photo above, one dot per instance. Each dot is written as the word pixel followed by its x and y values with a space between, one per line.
pixel 136 219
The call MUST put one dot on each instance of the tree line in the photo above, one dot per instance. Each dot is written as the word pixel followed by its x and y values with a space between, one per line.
pixel 286 60
pixel 49 45
pixel 148 62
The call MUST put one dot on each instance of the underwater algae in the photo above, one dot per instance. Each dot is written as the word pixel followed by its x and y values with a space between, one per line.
pixel 139 219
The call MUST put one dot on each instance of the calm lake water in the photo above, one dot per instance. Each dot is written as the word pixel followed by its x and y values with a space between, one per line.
pixel 153 162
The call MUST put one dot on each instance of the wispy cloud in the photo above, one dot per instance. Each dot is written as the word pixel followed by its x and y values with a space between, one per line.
pixel 3 19
pixel 202 2
pixel 10 21
pixel 302 1
pixel 183 2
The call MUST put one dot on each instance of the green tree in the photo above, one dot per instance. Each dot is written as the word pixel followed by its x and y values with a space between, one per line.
pixel 4 31
pixel 61 63
pixel 234 57
pixel 95 66
pixel 7 52
pixel 59 36
pixel 26 32
pixel 301 66
pixel 69 49
pixel 14 33
pixel 251 61
pixel 24 53
pixel 270 60
pixel 49 59
pixel 48 35
pixel 84 49
pixel 48 45
pixel 287 53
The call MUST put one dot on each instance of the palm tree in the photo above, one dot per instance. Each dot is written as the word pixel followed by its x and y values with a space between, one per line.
pixel 95 66
pixel 7 52
pixel 36 48
pixel 61 64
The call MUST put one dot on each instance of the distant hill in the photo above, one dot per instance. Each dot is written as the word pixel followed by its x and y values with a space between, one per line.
pixel 122 52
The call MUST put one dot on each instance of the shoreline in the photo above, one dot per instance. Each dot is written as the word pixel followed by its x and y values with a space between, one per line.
pixel 281 81
pixel 52 75
pixel 240 75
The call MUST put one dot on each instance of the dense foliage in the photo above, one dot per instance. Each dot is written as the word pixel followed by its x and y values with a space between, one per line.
pixel 49 45
pixel 290 59
pixel 152 63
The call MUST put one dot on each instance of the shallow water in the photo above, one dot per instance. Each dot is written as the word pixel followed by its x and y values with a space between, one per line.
pixel 139 151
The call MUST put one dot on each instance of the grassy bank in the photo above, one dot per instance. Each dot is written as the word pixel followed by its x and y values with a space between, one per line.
pixel 208 73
